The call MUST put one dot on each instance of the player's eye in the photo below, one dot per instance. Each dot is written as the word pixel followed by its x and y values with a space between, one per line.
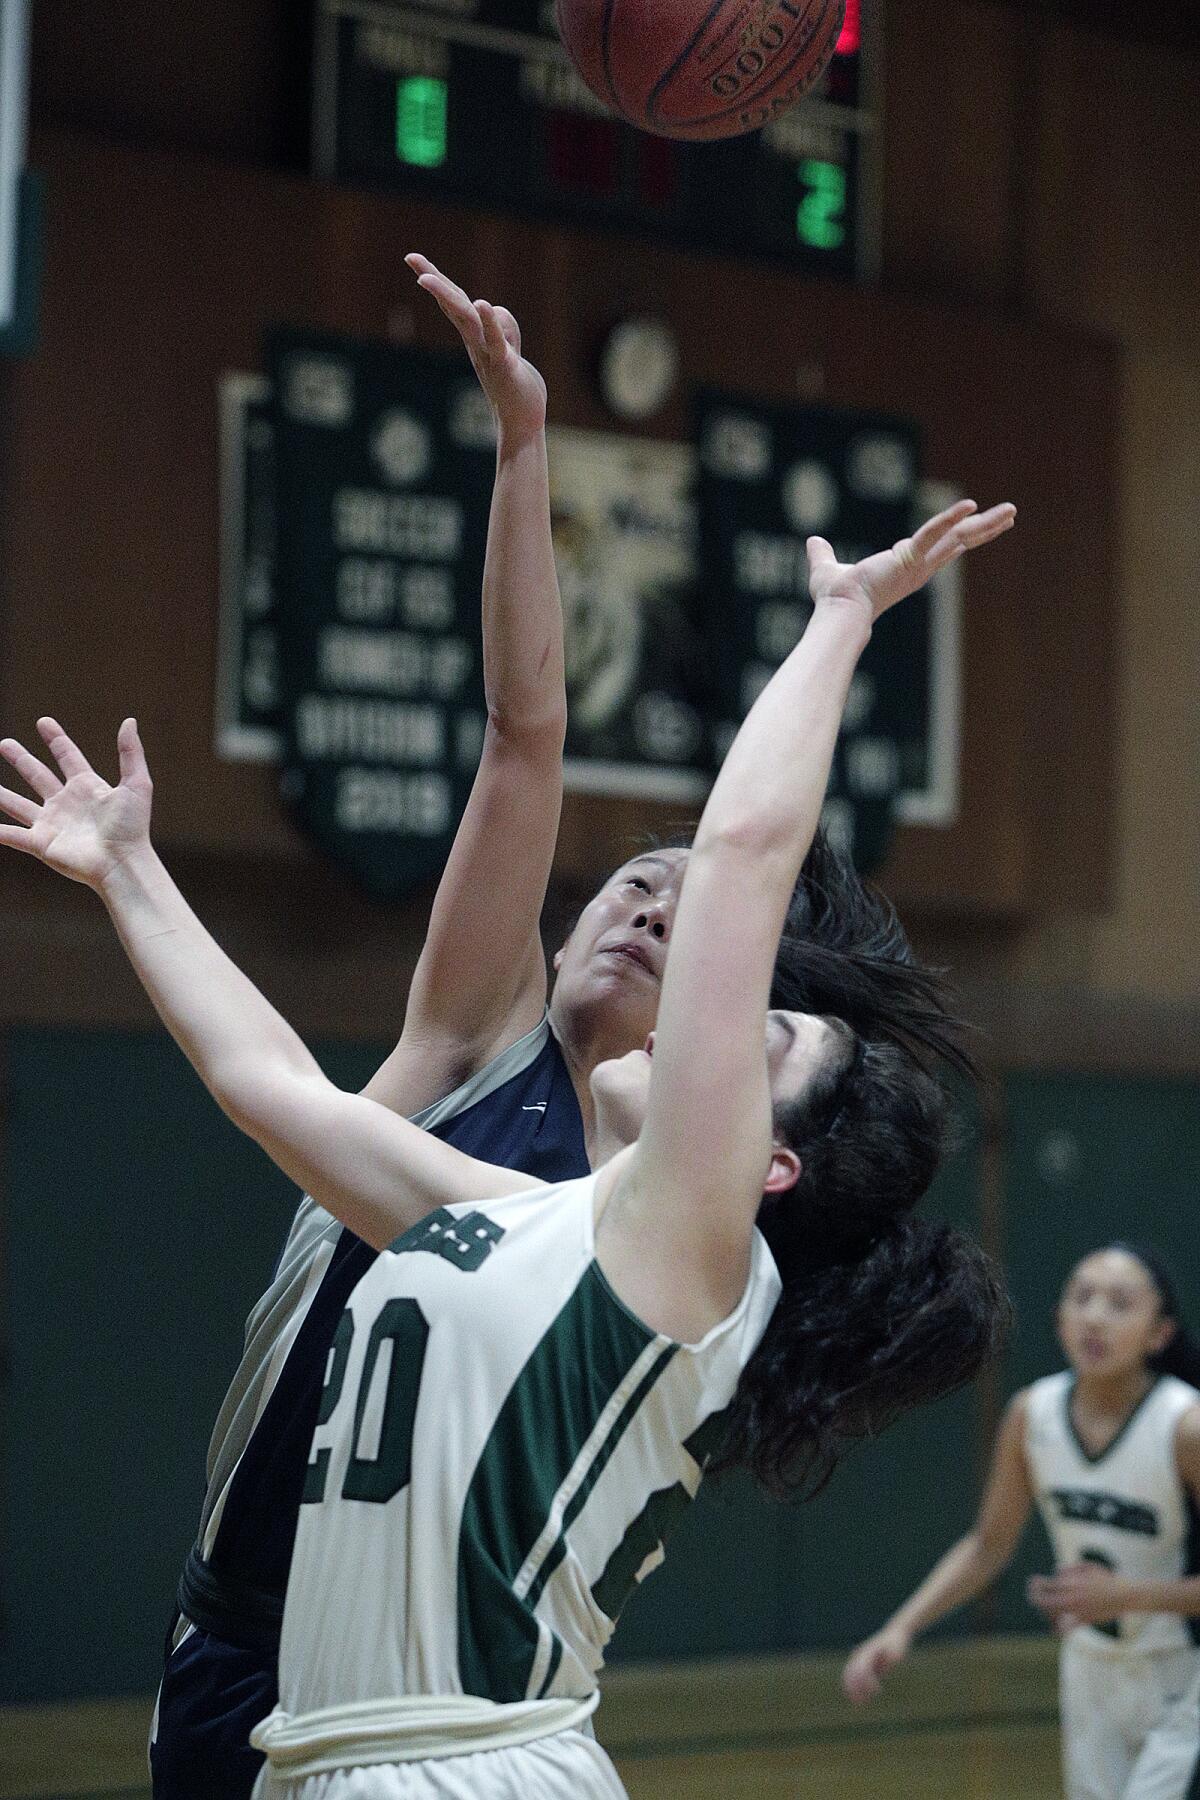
pixel 638 881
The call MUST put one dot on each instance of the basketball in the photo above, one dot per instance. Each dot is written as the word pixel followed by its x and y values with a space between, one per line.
pixel 700 68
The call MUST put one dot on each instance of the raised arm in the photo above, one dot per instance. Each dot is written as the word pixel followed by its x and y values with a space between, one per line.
pixel 966 1569
pixel 375 1171
pixel 480 982
pixel 695 1183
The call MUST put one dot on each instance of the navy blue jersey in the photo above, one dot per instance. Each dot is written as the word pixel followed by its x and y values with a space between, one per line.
pixel 520 1112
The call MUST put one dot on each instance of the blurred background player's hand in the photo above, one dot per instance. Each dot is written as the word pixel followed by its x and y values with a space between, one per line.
pixel 492 336
pixel 1083 1594
pixel 867 1666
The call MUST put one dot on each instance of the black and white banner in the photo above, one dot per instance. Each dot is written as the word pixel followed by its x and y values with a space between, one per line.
pixel 384 464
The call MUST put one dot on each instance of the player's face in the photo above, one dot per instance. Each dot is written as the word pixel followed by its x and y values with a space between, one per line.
pixel 612 964
pixel 798 1046
pixel 1110 1318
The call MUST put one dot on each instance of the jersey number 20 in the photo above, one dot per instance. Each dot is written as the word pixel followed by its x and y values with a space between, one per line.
pixel 401 1325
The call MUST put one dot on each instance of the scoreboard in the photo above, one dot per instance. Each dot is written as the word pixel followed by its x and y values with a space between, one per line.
pixel 476 101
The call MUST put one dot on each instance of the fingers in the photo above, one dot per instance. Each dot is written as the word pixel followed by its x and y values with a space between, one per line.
pixel 820 553
pixel 494 337
pixel 509 327
pixel 17 807
pixel 483 326
pixel 988 525
pixel 64 750
pixel 13 838
pixel 965 524
pixel 941 523
pixel 33 773
pixel 132 757
pixel 451 299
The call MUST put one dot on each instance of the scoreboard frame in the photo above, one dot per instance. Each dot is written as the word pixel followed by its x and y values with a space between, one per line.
pixel 857 259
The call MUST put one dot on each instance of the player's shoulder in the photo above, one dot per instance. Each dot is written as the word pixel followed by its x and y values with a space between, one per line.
pixel 1187 1438
pixel 1183 1402
pixel 1047 1391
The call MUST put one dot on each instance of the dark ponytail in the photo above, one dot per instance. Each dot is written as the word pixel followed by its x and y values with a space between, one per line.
pixel 880 1311
pixel 1182 1355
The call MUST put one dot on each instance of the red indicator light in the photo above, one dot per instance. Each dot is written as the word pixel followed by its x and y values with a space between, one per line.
pixel 850 40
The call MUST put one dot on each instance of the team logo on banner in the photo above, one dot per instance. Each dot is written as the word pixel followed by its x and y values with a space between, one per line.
pixel 382 507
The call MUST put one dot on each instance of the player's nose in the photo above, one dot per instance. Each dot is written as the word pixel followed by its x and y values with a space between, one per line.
pixel 655 918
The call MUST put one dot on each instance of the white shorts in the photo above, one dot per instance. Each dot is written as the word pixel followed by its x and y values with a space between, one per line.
pixel 568 1766
pixel 1130 1724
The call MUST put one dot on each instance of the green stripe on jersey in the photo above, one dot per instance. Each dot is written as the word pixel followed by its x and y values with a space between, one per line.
pixel 551 1411
pixel 596 1468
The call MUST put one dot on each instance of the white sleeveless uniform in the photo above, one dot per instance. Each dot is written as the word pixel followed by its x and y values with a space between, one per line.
pixel 502 1449
pixel 1130 1690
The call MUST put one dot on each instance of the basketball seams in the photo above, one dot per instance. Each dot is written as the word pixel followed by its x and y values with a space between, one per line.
pixel 669 75
pixel 770 76
pixel 610 7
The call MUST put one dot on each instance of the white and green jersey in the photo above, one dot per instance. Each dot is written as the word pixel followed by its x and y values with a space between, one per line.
pixel 501 1452
pixel 1125 1509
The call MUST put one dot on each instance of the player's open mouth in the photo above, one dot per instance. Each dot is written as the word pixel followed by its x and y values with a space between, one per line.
pixel 632 953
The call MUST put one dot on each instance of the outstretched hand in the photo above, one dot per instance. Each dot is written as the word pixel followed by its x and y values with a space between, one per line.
pixel 882 581
pixel 493 339
pixel 79 824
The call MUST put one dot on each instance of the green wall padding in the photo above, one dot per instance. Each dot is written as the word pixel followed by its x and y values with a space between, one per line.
pixel 139 1228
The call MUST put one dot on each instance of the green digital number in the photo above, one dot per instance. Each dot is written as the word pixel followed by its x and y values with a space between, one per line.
pixel 820 217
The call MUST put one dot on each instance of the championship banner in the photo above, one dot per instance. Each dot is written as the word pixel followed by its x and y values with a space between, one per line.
pixel 769 478
pixel 384 464
pixel 624 520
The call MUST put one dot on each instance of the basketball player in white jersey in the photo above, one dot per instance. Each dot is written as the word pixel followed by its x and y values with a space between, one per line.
pixel 525 1388
pixel 1109 1451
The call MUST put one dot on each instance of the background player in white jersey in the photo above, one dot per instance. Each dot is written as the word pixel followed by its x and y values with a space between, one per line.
pixel 825 1140
pixel 1109 1451
pixel 481 1064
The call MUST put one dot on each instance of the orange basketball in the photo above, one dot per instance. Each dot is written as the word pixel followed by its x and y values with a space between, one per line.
pixel 700 68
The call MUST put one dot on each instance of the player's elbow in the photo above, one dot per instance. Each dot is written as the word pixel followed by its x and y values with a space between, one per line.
pixel 258 1094
pixel 990 1551
pixel 757 839
pixel 534 728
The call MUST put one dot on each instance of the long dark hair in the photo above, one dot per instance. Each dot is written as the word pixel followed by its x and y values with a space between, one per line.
pixel 1182 1355
pixel 845 952
pixel 880 1311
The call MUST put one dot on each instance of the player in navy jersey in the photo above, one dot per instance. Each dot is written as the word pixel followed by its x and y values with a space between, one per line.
pixel 480 1065
pixel 742 1163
